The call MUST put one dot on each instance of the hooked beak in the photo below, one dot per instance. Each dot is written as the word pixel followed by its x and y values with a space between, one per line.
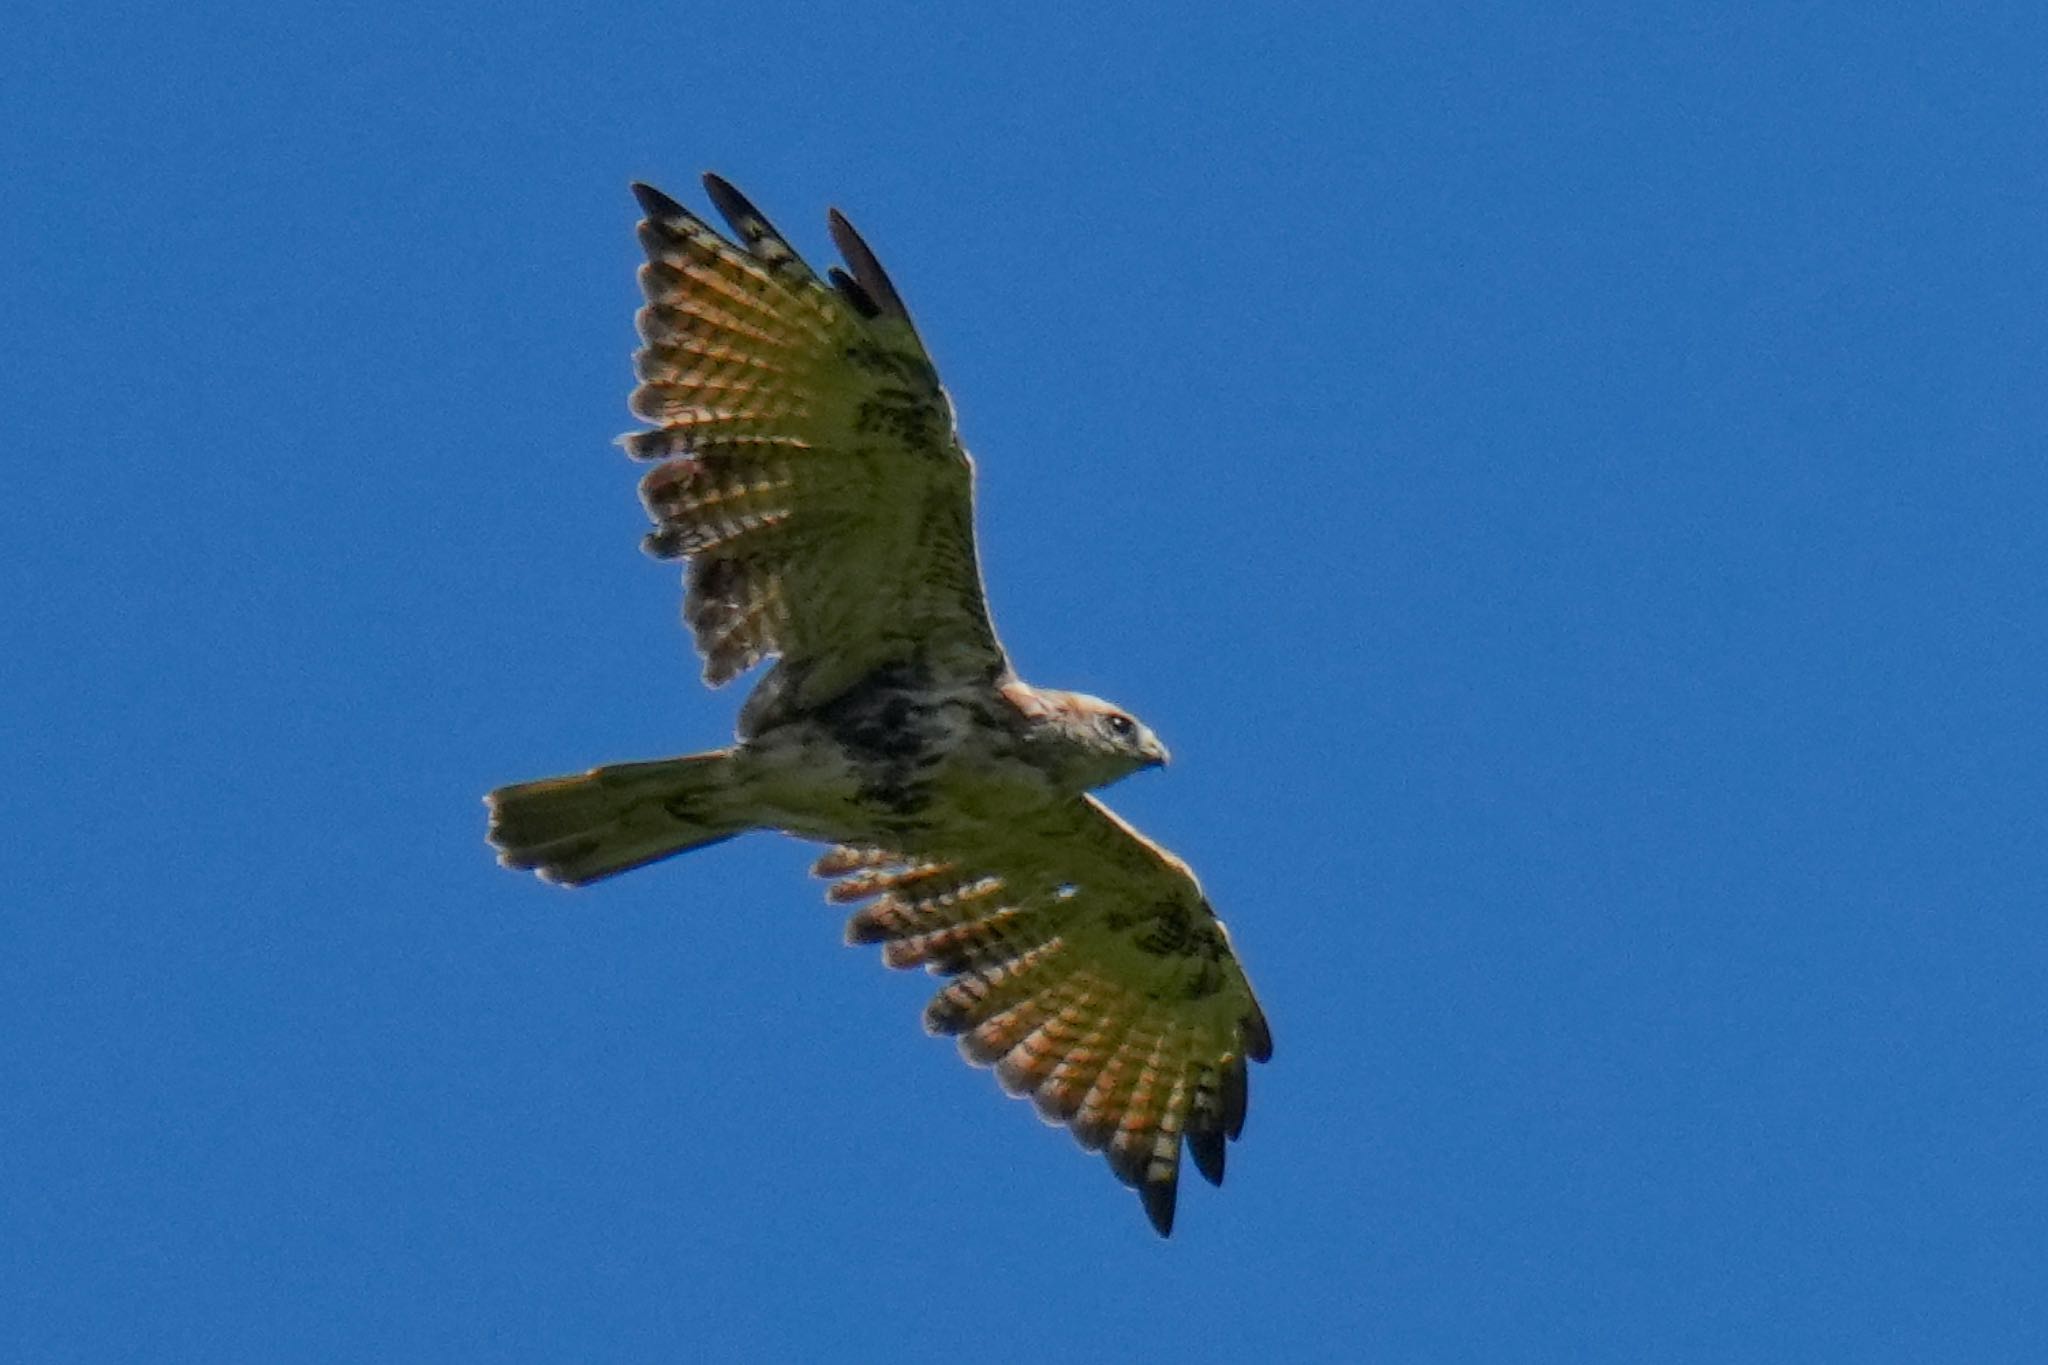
pixel 1156 755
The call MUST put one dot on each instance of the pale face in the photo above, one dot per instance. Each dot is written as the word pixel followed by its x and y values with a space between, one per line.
pixel 1100 743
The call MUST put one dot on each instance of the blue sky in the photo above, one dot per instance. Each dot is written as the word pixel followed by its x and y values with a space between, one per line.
pixel 1566 482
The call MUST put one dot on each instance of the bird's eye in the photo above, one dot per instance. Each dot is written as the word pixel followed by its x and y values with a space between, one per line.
pixel 1123 727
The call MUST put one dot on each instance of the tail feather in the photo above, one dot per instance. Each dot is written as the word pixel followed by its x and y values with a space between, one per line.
pixel 583 828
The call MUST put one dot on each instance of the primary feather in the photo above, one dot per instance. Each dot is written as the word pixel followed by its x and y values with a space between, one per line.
pixel 808 472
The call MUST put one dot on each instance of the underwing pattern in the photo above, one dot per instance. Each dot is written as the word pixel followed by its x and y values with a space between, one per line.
pixel 806 472
pixel 808 466
pixel 1116 1021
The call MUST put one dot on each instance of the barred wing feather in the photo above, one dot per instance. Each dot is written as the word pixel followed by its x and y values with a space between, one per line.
pixel 809 468
pixel 1090 972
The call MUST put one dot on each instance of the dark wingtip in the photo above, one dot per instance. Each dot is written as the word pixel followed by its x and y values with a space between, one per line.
pixel 1207 1148
pixel 1258 1038
pixel 1158 1197
pixel 732 206
pixel 1236 1097
pixel 850 290
pixel 654 203
pixel 866 268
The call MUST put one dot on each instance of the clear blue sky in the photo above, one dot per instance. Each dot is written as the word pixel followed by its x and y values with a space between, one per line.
pixel 1567 483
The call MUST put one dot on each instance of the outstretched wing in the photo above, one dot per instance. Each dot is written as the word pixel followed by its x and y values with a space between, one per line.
pixel 810 471
pixel 1089 970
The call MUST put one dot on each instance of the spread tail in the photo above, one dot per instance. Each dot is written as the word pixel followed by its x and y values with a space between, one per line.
pixel 583 828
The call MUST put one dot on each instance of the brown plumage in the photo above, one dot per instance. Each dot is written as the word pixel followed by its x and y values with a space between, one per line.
pixel 808 472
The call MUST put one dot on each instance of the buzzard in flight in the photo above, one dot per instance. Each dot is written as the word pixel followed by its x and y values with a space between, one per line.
pixel 808 471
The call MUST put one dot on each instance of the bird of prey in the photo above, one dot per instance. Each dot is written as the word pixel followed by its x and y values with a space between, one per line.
pixel 807 468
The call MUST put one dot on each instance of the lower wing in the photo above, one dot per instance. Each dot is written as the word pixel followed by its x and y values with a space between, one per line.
pixel 1089 970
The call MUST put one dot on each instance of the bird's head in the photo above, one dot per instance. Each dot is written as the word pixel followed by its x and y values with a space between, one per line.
pixel 1092 742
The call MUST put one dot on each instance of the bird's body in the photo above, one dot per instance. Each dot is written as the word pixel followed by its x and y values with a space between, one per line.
pixel 812 479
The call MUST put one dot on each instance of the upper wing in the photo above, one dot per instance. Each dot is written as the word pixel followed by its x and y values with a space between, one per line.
pixel 812 474
pixel 1089 970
